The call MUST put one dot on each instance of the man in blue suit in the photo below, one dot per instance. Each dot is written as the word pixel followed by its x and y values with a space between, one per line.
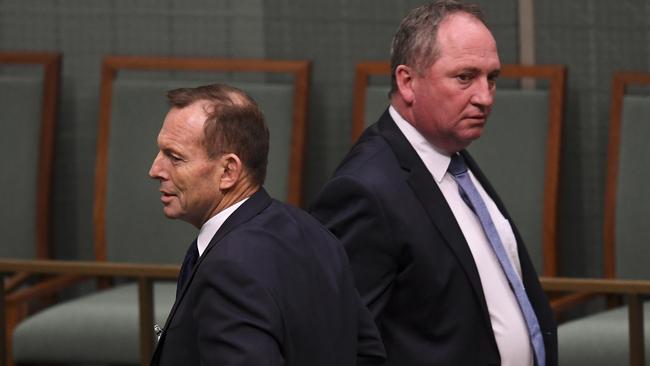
pixel 264 283
pixel 434 252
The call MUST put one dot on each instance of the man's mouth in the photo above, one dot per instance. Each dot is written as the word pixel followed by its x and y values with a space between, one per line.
pixel 166 196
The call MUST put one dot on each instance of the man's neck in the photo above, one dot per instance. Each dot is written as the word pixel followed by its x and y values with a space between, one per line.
pixel 243 190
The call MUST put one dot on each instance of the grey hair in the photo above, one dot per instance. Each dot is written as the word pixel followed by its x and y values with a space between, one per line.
pixel 415 42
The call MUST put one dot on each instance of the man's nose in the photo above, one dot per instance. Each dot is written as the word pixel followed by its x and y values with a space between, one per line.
pixel 484 93
pixel 155 171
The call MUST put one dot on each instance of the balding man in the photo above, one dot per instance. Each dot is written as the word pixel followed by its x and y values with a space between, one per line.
pixel 264 283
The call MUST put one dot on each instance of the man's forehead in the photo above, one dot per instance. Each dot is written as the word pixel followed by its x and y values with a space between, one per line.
pixel 463 36
pixel 184 125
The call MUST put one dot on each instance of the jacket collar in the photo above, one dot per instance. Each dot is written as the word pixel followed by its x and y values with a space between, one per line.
pixel 259 201
pixel 434 203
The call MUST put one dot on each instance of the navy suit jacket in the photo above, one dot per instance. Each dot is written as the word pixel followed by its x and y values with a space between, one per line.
pixel 273 287
pixel 411 263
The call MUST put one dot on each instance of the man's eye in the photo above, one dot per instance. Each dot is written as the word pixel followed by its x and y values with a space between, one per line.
pixel 173 157
pixel 463 78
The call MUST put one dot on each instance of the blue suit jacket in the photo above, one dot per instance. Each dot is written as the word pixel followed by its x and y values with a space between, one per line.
pixel 273 287
pixel 410 259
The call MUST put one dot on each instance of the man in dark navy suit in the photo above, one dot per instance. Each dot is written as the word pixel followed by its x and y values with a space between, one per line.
pixel 264 283
pixel 434 252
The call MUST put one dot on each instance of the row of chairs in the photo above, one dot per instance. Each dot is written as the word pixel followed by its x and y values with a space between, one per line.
pixel 128 225
pixel 524 138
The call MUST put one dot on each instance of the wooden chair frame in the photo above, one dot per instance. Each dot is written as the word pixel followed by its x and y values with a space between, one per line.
pixel 633 290
pixel 50 62
pixel 145 274
pixel 69 273
pixel 113 64
pixel 556 76
pixel 619 83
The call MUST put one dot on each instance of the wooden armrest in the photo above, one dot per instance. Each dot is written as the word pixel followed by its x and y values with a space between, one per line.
pixel 566 302
pixel 16 280
pixel 90 268
pixel 634 290
pixel 69 271
pixel 596 285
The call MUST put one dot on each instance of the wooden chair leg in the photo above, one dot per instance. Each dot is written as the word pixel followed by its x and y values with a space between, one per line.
pixel 15 312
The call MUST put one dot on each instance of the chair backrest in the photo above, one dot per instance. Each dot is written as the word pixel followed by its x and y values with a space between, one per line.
pixel 519 150
pixel 627 196
pixel 29 87
pixel 128 218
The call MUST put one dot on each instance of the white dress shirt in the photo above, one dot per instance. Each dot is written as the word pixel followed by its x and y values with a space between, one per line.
pixel 508 323
pixel 212 226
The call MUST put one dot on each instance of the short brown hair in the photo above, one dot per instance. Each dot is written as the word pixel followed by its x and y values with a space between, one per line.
pixel 415 42
pixel 235 124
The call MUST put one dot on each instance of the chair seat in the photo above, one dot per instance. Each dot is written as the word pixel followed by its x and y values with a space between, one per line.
pixel 600 339
pixel 108 320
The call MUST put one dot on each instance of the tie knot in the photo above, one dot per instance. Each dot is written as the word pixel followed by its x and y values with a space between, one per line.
pixel 457 165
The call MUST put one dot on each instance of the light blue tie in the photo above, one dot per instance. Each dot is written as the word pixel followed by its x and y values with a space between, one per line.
pixel 470 195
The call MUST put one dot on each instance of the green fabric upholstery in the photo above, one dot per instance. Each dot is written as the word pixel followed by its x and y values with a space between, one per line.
pixel 101 328
pixel 633 194
pixel 21 106
pixel 599 340
pixel 602 339
pixel 512 154
pixel 136 229
pixel 376 102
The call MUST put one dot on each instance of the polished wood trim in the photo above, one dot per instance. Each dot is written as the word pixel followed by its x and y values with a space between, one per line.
pixel 12 282
pixel 299 69
pixel 51 64
pixel 606 286
pixel 71 271
pixel 596 285
pixel 619 83
pixel 47 287
pixel 90 268
pixel 635 321
pixel 4 356
pixel 566 302
pixel 556 76
pixel 146 311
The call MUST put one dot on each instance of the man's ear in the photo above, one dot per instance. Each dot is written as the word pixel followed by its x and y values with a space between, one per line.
pixel 405 78
pixel 232 170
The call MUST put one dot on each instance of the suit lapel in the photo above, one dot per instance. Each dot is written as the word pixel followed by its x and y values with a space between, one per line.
pixel 434 203
pixel 249 209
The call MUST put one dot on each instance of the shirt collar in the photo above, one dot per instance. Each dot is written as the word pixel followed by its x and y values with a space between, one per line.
pixel 435 161
pixel 212 226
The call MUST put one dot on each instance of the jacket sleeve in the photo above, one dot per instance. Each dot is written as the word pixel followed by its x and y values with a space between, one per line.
pixel 241 323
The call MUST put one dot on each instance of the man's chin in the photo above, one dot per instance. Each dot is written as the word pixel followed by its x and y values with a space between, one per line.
pixel 171 213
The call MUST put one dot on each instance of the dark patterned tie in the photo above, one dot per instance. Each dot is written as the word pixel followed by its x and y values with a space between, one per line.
pixel 473 199
pixel 188 265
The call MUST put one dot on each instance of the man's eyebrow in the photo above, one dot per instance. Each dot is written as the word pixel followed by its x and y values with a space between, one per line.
pixel 470 69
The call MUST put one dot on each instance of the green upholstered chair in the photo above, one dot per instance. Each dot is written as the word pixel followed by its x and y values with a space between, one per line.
pixel 602 338
pixel 29 85
pixel 519 151
pixel 102 328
